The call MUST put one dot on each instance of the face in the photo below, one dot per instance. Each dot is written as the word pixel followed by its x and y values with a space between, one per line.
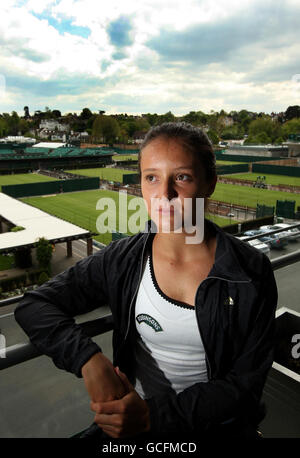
pixel 171 173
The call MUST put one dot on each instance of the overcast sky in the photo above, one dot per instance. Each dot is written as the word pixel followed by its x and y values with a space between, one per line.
pixel 140 56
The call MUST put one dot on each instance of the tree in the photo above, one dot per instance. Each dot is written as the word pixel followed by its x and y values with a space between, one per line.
pixel 263 138
pixel 106 127
pixel 213 136
pixel 3 127
pixel 56 114
pixel 291 127
pixel 260 139
pixel 292 112
pixel 86 114
pixel 44 254
pixel 196 118
pixel 152 118
pixel 26 112
pixel 279 141
pixel 13 123
pixel 23 126
pixel 167 117
pixel 232 133
pixel 265 125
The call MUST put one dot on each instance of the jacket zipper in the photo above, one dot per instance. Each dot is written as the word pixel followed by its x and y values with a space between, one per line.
pixel 201 334
pixel 138 284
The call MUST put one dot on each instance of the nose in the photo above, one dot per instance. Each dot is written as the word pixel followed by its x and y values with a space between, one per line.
pixel 168 190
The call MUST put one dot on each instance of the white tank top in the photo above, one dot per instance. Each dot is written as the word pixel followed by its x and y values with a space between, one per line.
pixel 169 351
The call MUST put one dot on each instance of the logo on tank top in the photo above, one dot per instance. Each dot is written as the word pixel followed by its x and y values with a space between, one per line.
pixel 144 318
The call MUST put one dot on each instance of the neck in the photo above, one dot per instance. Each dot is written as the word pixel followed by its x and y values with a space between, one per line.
pixel 175 246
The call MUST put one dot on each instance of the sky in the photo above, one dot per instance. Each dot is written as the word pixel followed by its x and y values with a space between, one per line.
pixel 149 56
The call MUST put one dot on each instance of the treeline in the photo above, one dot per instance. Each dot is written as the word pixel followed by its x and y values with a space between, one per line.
pixel 123 128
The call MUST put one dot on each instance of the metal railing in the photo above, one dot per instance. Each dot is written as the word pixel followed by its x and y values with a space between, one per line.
pixel 275 231
pixel 25 351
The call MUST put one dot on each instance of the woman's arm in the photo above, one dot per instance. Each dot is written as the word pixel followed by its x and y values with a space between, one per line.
pixel 47 314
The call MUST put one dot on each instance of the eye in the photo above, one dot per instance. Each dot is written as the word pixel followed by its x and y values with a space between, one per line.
pixel 183 177
pixel 150 178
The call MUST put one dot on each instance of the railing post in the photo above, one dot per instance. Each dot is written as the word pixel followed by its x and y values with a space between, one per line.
pixel 69 248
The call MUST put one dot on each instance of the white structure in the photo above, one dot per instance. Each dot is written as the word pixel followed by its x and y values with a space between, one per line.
pixel 49 145
pixel 37 224
pixel 52 124
pixel 17 139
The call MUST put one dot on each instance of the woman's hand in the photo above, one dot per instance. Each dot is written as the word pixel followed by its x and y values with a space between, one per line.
pixel 101 380
pixel 125 417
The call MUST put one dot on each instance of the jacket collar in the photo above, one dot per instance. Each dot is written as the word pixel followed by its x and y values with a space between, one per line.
pixel 226 266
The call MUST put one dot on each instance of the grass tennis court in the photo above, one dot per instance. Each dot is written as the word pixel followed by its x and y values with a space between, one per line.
pixel 219 220
pixel 125 157
pixel 229 162
pixel 80 209
pixel 21 178
pixel 270 179
pixel 109 174
pixel 244 195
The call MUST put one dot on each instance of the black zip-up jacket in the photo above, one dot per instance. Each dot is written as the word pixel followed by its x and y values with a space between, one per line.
pixel 235 309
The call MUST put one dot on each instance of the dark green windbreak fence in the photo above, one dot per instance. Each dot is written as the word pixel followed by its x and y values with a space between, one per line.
pixel 131 178
pixel 232 168
pixel 264 210
pixel 242 158
pixel 292 171
pixel 51 187
pixel 119 150
pixel 285 208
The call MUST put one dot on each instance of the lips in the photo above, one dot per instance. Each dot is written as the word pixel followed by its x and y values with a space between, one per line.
pixel 166 210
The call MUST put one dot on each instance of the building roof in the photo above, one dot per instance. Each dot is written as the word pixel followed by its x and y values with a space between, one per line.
pixel 49 145
pixel 37 224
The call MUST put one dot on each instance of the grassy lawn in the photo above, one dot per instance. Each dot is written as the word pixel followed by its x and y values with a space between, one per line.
pixel 6 262
pixel 243 195
pixel 21 178
pixel 125 157
pixel 270 179
pixel 229 162
pixel 109 174
pixel 80 209
pixel 219 220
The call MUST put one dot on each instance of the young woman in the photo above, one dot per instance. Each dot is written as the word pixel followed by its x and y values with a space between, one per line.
pixel 193 322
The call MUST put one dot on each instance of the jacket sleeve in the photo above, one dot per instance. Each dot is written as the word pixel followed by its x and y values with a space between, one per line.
pixel 47 314
pixel 204 405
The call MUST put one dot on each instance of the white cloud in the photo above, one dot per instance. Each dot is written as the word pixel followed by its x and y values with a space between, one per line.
pixel 233 70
